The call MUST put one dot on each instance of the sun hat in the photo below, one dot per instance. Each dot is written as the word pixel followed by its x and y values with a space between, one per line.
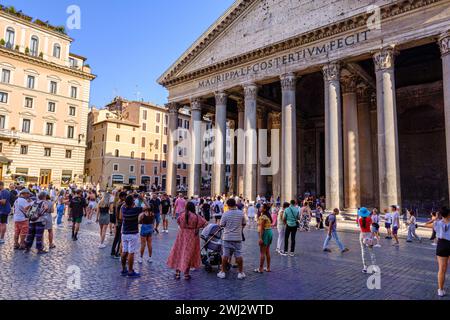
pixel 364 212
pixel 24 191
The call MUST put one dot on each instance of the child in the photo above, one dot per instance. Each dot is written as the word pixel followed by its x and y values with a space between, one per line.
pixel 375 228
pixel 319 217
pixel 388 223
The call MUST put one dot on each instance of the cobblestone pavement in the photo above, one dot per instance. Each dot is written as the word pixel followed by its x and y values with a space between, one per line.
pixel 407 272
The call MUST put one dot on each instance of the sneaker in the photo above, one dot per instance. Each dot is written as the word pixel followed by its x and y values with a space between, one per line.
pixel 377 246
pixel 134 274
pixel 434 244
pixel 139 259
pixel 326 250
pixel 124 273
pixel 102 246
pixel 345 250
pixel 149 260
pixel 364 270
pixel 284 254
pixel 409 241
pixel 291 254
pixel 221 275
pixel 116 256
pixel 42 252
pixel 442 293
pixel 241 276
pixel 396 245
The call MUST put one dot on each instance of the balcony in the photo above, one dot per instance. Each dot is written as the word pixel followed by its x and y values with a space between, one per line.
pixel 9 135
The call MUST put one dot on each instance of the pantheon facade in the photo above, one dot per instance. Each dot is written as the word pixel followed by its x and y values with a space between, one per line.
pixel 359 89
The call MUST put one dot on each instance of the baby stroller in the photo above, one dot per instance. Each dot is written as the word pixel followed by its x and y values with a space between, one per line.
pixel 211 251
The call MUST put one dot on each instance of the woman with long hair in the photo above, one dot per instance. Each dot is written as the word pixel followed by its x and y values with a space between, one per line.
pixel 281 227
pixel 265 238
pixel 185 253
pixel 103 218
pixel 365 236
pixel 375 216
pixel 305 216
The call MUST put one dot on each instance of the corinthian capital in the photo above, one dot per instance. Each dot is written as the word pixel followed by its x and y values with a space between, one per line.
pixel 288 81
pixel 444 43
pixel 276 120
pixel 240 105
pixel 250 91
pixel 363 92
pixel 173 107
pixel 221 98
pixel 196 104
pixel 331 71
pixel 384 59
pixel 348 83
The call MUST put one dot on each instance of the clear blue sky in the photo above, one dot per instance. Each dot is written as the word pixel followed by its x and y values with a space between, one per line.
pixel 129 43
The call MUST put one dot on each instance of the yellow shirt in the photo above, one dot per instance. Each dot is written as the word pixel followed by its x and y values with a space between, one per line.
pixel 265 222
pixel 225 208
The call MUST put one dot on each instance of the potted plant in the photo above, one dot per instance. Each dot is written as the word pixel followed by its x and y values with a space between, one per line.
pixel 2 42
pixel 17 48
pixel 41 55
pixel 27 50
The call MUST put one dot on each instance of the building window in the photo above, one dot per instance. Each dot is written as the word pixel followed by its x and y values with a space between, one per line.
pixel 10 35
pixel 144 114
pixel 166 131
pixel 2 121
pixel 70 132
pixel 72 111
pixel 53 87
pixel 23 149
pixel 133 140
pixel 117 138
pixel 142 169
pixel 28 102
pixel 73 63
pixel 30 82
pixel 164 148
pixel 3 97
pixel 131 169
pixel 144 127
pixel 118 126
pixel 115 167
pixel 143 142
pixel 158 117
pixel 1 147
pixel 47 152
pixel 157 129
pixel 26 125
pixel 156 157
pixel 49 129
pixel 57 51
pixel 164 164
pixel 34 46
pixel 166 119
pixel 6 76
pixel 117 179
pixel 51 107
pixel 155 171
pixel 143 156
pixel 116 153
pixel 68 154
pixel 157 144
pixel 73 92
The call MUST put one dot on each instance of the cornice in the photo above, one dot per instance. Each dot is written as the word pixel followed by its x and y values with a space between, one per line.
pixel 45 64
pixel 351 23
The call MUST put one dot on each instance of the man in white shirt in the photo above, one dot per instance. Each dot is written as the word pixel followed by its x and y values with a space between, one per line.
pixel 217 209
pixel 21 207
pixel 395 224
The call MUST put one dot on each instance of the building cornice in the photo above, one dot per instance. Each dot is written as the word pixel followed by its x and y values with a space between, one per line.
pixel 169 79
pixel 45 64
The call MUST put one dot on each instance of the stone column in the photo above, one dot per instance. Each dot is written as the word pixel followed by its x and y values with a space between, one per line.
pixel 288 138
pixel 262 179
pixel 171 177
pixel 251 143
pixel 334 180
pixel 233 166
pixel 351 143
pixel 195 166
pixel 365 145
pixel 388 155
pixel 444 43
pixel 276 185
pixel 220 143
pixel 240 166
pixel 374 136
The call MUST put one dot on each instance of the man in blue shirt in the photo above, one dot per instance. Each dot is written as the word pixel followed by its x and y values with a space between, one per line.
pixel 5 210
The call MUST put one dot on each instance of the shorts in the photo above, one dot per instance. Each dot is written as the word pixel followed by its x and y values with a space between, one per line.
pixel 217 216
pixel 48 223
pixel 21 228
pixel 395 230
pixel 112 218
pixel 158 218
pixel 165 217
pixel 92 205
pixel 77 219
pixel 4 219
pixel 375 229
pixel 130 243
pixel 387 225
pixel 230 248
pixel 267 237
pixel 443 248
pixel 146 230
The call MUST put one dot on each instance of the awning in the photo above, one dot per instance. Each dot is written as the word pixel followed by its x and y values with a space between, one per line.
pixel 5 160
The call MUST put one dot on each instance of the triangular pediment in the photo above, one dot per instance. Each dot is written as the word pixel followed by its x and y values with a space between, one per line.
pixel 253 24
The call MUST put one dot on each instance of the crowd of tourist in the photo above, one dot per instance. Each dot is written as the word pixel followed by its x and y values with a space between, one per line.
pixel 132 218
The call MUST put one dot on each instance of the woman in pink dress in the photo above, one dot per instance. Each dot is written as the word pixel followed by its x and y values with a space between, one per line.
pixel 185 252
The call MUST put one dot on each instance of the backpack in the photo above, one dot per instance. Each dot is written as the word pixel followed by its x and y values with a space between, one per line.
pixel 35 212
pixel 206 208
pixel 327 221
pixel 216 208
